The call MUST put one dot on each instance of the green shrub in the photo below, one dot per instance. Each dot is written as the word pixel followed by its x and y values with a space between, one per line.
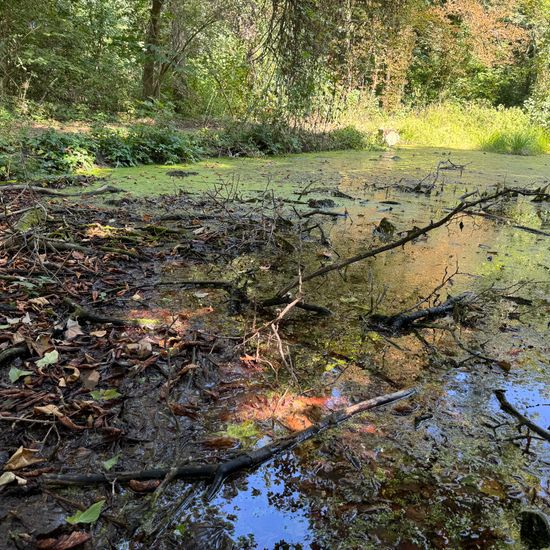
pixel 348 138
pixel 160 145
pixel 60 152
pixel 113 148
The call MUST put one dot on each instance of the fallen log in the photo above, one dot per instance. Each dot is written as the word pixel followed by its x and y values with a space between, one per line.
pixel 54 193
pixel 394 324
pixel 217 473
pixel 506 406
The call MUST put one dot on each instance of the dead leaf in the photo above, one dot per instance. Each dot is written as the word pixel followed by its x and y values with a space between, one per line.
pixel 39 301
pixel 184 410
pixel 42 344
pixel 90 379
pixel 9 477
pixel 142 349
pixel 74 376
pixel 64 542
pixel 143 486
pixel 296 422
pixel 73 330
pixel 98 333
pixel 22 458
pixel 221 443
pixel 17 338
pixel 26 320
pixel 52 410
pixel 68 423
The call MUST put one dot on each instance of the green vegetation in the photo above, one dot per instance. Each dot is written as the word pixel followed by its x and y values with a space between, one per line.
pixel 472 125
pixel 158 81
pixel 52 151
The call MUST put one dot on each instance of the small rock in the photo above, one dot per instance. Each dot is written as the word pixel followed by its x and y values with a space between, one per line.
pixel 535 529
pixel 321 203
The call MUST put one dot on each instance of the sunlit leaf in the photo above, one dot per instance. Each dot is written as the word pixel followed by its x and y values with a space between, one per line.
pixel 15 374
pixel 49 358
pixel 90 515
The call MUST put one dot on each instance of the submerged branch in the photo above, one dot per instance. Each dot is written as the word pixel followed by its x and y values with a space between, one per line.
pixel 506 406
pixel 409 236
pixel 219 472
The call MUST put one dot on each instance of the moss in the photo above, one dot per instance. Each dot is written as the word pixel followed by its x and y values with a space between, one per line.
pixel 31 219
pixel 244 431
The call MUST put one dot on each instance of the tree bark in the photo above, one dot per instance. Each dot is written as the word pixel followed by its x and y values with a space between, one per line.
pixel 149 81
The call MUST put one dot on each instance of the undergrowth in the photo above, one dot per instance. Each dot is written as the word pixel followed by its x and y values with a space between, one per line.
pixel 459 126
pixel 25 152
pixel 53 151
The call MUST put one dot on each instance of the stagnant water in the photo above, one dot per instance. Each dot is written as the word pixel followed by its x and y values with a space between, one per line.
pixel 440 471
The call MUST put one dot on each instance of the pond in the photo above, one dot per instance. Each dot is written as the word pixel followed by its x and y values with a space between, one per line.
pixel 445 469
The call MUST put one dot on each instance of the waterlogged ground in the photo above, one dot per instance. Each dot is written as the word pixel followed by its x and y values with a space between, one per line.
pixel 444 470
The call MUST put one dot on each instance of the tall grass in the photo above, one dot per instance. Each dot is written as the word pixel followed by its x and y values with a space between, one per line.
pixel 459 126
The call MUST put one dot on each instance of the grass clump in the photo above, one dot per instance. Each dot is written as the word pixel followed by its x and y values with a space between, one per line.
pixel 524 141
pixel 460 126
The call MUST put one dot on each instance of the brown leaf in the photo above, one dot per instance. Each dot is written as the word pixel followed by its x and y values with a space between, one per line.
pixel 221 443
pixel 296 422
pixel 42 344
pixel 22 458
pixel 141 349
pixel 73 330
pixel 41 301
pixel 183 410
pixel 99 333
pixel 74 376
pixel 90 379
pixel 143 486
pixel 68 423
pixel 64 542
pixel 48 410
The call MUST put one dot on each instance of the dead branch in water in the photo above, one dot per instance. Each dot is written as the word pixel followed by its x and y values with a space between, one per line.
pixel 409 236
pixel 506 406
pixel 219 472
pixel 404 321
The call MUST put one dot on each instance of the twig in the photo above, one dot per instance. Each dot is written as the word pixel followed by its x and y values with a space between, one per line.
pixel 410 236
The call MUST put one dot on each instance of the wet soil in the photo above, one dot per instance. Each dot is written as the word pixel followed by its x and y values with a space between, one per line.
pixel 445 469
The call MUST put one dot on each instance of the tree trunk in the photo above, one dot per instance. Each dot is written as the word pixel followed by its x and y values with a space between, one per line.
pixel 149 81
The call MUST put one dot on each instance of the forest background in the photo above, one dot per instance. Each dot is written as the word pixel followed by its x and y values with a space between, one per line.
pixel 122 82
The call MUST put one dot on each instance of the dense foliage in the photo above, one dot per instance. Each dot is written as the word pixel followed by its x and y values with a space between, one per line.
pixel 270 58
pixel 275 67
